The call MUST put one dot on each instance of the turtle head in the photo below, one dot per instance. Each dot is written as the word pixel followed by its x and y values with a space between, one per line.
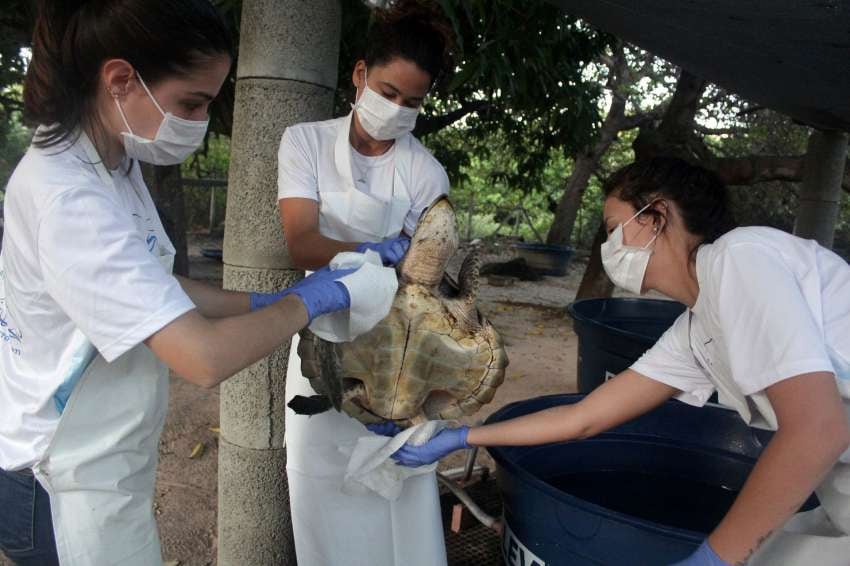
pixel 432 245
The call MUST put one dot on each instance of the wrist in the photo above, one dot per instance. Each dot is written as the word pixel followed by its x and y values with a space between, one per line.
pixel 293 307
pixel 464 436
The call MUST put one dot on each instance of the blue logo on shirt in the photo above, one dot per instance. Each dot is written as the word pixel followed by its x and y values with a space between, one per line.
pixel 151 240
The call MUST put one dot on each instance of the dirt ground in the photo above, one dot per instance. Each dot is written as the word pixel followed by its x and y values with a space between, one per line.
pixel 541 346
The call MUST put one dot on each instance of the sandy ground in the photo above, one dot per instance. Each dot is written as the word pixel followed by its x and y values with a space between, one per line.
pixel 541 346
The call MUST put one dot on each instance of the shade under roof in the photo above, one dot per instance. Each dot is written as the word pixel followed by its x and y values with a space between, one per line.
pixel 791 56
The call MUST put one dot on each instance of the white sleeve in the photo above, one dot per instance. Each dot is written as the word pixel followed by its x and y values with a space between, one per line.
pixel 672 362
pixel 768 327
pixel 99 271
pixel 432 183
pixel 296 171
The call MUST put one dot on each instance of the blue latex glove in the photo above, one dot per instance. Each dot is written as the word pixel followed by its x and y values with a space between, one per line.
pixel 386 428
pixel 703 556
pixel 444 442
pixel 391 251
pixel 320 292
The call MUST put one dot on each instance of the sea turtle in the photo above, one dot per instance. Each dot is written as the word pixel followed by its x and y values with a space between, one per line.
pixel 433 357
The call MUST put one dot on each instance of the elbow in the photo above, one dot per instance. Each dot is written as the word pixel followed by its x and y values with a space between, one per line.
pixel 204 371
pixel 842 438
pixel 833 434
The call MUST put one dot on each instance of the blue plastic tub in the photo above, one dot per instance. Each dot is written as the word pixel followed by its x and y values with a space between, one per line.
pixel 645 493
pixel 546 259
pixel 614 333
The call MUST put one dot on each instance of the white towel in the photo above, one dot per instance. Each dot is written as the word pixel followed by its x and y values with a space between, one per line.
pixel 372 289
pixel 370 468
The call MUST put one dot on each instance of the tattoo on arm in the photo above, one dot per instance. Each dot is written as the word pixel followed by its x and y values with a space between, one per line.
pixel 752 551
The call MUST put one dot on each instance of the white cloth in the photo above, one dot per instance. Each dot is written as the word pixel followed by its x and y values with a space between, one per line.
pixel 307 169
pixel 331 527
pixel 372 289
pixel 371 468
pixel 771 306
pixel 79 276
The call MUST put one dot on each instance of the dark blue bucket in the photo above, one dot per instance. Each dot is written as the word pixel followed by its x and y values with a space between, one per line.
pixel 614 333
pixel 647 492
pixel 546 259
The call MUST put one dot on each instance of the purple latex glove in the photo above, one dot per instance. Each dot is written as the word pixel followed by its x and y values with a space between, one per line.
pixel 391 251
pixel 386 428
pixel 703 556
pixel 320 292
pixel 444 442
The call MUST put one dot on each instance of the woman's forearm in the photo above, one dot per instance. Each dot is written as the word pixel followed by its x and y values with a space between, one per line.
pixel 213 302
pixel 313 251
pixel 618 400
pixel 206 352
pixel 788 471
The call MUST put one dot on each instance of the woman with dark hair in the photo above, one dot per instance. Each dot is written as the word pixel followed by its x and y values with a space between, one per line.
pixel 90 315
pixel 359 183
pixel 767 327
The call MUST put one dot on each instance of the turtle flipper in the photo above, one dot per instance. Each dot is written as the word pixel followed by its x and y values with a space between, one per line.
pixel 330 372
pixel 312 405
pixel 463 306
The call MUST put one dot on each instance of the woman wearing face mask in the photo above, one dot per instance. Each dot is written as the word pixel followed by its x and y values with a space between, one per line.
pixel 767 327
pixel 90 314
pixel 359 183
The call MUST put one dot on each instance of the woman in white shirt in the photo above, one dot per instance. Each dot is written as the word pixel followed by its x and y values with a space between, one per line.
pixel 768 328
pixel 355 183
pixel 90 315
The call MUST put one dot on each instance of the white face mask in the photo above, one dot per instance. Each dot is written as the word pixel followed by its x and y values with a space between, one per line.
pixel 383 119
pixel 175 139
pixel 626 265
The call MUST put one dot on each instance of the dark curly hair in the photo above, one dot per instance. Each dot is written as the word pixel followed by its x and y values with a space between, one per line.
pixel 416 30
pixel 700 195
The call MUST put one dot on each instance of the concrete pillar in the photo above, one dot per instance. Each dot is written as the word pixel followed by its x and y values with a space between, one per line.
pixel 820 196
pixel 287 73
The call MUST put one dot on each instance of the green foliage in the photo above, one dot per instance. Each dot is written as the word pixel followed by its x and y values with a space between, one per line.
pixel 212 162
pixel 519 74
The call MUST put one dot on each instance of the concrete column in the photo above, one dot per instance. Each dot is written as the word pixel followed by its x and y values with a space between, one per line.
pixel 820 196
pixel 287 73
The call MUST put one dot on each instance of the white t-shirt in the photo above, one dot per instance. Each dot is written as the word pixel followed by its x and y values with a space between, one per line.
pixel 306 162
pixel 80 268
pixel 771 306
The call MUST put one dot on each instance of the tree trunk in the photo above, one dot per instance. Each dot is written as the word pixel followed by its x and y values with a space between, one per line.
pixel 565 216
pixel 595 282
pixel 821 192
pixel 166 187
pixel 587 161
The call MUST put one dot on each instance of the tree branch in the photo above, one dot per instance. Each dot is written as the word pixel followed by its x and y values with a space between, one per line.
pixel 430 125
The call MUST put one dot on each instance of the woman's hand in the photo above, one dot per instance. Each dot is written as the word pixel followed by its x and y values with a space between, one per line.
pixel 703 556
pixel 391 251
pixel 441 444
pixel 313 286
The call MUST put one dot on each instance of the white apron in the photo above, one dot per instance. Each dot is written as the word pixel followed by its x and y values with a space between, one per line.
pixel 333 528
pixel 100 467
pixel 820 537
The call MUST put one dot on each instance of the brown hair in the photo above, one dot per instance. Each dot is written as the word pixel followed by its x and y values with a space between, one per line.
pixel 416 30
pixel 700 195
pixel 72 39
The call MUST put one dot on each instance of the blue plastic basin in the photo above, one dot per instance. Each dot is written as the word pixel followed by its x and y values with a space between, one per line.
pixel 614 333
pixel 647 492
pixel 546 259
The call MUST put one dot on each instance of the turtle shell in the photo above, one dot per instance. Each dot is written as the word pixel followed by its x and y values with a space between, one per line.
pixel 433 356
